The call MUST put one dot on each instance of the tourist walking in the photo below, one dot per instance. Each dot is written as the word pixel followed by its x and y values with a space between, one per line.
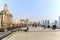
pixel 54 27
pixel 27 28
pixel 48 26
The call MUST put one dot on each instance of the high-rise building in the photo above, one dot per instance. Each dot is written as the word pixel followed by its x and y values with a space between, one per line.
pixel 47 22
pixel 59 20
pixel 56 22
pixel 43 22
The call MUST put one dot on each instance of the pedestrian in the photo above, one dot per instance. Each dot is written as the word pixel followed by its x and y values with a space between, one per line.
pixel 44 26
pixel 48 26
pixel 35 25
pixel 27 28
pixel 54 27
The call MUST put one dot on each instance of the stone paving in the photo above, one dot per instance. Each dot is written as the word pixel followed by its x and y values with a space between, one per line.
pixel 35 34
pixel 1 33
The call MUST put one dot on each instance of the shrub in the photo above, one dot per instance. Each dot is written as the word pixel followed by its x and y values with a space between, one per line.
pixel 10 28
pixel 1 29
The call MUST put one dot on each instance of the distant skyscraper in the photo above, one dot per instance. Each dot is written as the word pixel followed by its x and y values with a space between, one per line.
pixel 46 22
pixel 43 22
pixel 56 22
pixel 59 20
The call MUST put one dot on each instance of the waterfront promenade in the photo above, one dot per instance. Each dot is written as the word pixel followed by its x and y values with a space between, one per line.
pixel 38 33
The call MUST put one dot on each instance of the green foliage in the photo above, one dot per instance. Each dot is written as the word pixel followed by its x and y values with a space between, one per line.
pixel 1 29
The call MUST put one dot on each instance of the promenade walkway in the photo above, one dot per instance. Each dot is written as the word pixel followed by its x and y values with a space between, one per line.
pixel 35 34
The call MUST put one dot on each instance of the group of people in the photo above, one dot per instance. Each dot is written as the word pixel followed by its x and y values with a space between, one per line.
pixel 44 26
pixel 34 25
pixel 53 27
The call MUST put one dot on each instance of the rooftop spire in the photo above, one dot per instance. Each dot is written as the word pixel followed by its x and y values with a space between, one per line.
pixel 5 7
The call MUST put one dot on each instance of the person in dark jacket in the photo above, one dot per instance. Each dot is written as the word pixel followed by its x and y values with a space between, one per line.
pixel 54 27
pixel 27 28
pixel 44 26
pixel 35 25
pixel 48 26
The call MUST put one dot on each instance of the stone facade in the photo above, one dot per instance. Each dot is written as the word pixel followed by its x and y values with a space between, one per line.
pixel 6 17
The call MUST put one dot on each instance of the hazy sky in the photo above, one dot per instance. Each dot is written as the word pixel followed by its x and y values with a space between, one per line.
pixel 33 9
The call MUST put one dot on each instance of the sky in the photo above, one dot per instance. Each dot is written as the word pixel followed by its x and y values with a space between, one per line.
pixel 35 10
